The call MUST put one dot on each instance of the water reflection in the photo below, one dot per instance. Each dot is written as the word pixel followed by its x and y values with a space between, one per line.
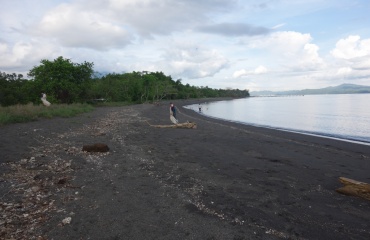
pixel 344 115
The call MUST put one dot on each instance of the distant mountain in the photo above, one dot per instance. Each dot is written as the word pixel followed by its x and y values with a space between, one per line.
pixel 341 89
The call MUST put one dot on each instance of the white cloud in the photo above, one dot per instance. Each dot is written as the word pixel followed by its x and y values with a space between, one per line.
pixel 185 60
pixel 292 50
pixel 351 47
pixel 344 71
pixel 260 70
pixel 193 61
pixel 103 25
pixel 75 27
pixel 361 63
pixel 241 73
pixel 159 17
pixel 278 26
pixel 352 57
pixel 24 55
pixel 3 48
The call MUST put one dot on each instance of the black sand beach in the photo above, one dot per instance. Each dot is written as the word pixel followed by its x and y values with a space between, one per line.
pixel 220 181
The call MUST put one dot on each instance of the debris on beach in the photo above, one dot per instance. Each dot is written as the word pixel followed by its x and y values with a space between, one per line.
pixel 31 199
pixel 354 188
pixel 37 187
pixel 67 220
pixel 97 147
pixel 189 125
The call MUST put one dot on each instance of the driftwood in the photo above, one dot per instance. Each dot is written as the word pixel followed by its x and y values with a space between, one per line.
pixel 97 147
pixel 44 101
pixel 190 125
pixel 354 188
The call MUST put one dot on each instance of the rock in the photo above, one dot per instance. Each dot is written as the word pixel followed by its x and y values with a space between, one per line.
pixel 35 188
pixel 97 147
pixel 67 220
pixel 62 181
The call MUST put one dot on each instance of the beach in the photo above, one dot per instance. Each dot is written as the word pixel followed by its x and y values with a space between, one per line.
pixel 222 180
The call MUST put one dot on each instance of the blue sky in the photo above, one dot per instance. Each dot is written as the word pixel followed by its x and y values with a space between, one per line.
pixel 246 44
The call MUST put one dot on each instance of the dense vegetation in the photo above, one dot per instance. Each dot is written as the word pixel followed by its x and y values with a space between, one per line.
pixel 66 82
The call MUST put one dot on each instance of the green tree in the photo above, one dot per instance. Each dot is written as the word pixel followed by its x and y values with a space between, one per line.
pixel 13 89
pixel 63 80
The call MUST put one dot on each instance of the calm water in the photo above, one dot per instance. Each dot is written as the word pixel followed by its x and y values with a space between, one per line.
pixel 343 116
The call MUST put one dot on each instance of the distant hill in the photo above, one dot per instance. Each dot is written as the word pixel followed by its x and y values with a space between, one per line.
pixel 341 89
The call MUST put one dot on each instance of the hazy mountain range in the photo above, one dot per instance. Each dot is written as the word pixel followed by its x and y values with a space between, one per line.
pixel 341 89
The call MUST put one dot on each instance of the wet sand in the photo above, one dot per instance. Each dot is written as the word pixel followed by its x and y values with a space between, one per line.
pixel 220 181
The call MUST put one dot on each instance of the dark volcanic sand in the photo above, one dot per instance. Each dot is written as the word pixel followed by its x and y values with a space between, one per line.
pixel 219 181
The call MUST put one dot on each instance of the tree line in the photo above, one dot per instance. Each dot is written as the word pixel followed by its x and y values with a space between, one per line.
pixel 66 82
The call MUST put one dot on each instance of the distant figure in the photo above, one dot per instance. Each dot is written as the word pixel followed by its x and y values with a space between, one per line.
pixel 44 101
pixel 200 108
pixel 173 114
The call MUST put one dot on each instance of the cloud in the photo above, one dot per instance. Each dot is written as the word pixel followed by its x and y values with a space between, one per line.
pixel 193 61
pixel 260 70
pixel 22 54
pixel 163 17
pixel 353 57
pixel 278 26
pixel 351 47
pixel 234 29
pixel 102 25
pixel 362 63
pixel 241 73
pixel 344 71
pixel 3 48
pixel 75 27
pixel 291 50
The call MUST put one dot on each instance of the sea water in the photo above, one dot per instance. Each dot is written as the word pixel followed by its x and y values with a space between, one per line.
pixel 340 116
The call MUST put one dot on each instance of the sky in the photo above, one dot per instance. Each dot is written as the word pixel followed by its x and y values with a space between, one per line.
pixel 257 45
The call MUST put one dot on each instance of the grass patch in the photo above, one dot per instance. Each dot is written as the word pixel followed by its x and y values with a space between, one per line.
pixel 30 112
pixel 112 104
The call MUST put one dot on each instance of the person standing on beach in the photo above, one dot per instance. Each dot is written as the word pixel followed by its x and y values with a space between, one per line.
pixel 200 108
pixel 173 110
pixel 173 113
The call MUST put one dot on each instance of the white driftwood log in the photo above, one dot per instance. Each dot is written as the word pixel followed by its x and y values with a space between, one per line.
pixel 44 101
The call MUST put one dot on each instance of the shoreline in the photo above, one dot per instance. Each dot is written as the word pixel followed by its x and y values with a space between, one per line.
pixel 315 137
pixel 223 180
pixel 320 135
pixel 358 137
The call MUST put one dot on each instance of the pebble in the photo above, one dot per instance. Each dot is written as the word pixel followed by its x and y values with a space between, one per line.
pixel 67 220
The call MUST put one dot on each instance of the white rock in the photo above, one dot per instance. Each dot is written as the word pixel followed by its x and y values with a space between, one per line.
pixel 67 220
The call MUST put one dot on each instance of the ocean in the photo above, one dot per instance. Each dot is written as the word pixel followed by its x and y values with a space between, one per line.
pixel 340 116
